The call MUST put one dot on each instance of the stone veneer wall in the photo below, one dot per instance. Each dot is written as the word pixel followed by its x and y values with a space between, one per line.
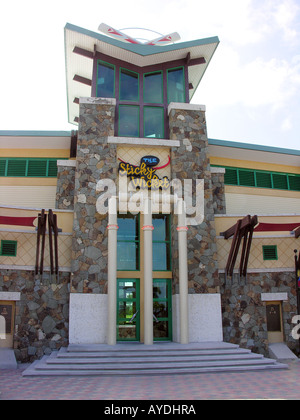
pixel 96 160
pixel 65 187
pixel 218 190
pixel 244 312
pixel 42 313
pixel 190 161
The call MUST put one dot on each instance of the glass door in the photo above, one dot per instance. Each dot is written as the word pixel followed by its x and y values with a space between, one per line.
pixel 128 310
pixel 162 310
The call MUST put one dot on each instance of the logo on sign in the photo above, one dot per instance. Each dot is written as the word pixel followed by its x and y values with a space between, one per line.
pixel 144 175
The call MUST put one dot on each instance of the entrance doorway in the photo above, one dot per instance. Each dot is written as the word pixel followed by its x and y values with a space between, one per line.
pixel 129 310
pixel 7 318
pixel 131 273
pixel 274 322
pixel 162 310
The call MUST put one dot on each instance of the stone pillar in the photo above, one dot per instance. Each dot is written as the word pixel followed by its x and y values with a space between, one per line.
pixel 190 162
pixel 148 281
pixel 183 274
pixel 96 160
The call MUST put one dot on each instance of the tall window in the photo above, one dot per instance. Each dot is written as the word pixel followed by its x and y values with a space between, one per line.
pixel 142 97
pixel 105 80
pixel 153 88
pixel 161 242
pixel 129 85
pixel 128 246
pixel 176 86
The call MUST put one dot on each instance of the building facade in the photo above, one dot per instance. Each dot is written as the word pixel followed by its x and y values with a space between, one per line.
pixel 137 226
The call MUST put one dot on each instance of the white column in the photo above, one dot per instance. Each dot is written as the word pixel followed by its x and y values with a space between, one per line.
pixel 183 273
pixel 112 271
pixel 148 281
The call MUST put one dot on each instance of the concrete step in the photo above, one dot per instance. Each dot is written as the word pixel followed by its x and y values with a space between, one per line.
pixel 150 360
pixel 280 351
pixel 65 354
pixel 7 359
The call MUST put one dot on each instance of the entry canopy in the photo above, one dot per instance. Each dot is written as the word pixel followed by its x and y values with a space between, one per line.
pixel 279 227
pixel 81 46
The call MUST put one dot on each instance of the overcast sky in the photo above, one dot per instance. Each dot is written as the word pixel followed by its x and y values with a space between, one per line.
pixel 251 88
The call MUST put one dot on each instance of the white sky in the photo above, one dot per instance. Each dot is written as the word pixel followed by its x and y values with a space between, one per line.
pixel 251 88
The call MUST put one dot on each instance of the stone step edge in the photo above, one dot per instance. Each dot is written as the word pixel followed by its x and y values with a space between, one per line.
pixel 130 367
pixel 165 347
pixel 188 371
pixel 139 360
pixel 65 354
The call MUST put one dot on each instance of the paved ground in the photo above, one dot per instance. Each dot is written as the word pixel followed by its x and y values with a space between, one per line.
pixel 269 384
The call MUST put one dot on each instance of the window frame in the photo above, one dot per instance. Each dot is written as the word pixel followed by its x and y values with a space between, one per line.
pixel 144 101
pixel 138 94
pixel 183 82
pixel 108 65
pixel 136 241
pixel 167 242
pixel 162 120
pixel 141 71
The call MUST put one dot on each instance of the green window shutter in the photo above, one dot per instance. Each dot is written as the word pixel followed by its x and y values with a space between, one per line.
pixel 294 181
pixel 280 181
pixel 246 178
pixel 8 248
pixel 270 252
pixel 16 167
pixel 231 177
pixel 37 168
pixel 263 179
pixel 52 169
pixel 2 167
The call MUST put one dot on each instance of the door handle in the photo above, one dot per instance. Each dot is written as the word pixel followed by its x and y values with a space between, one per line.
pixel 131 319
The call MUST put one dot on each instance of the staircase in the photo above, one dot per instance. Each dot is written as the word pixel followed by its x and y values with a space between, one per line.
pixel 158 359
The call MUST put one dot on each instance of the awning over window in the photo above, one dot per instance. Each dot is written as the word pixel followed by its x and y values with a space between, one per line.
pixel 17 221
pixel 278 227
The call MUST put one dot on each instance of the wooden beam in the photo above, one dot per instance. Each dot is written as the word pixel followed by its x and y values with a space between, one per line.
pixel 83 80
pixel 83 52
pixel 50 223
pixel 197 61
pixel 73 147
pixel 42 219
pixel 245 221
pixel 243 229
pixel 188 58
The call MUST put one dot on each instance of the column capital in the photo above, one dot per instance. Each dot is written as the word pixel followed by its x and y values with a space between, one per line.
pixel 182 228
pixel 148 227
pixel 112 227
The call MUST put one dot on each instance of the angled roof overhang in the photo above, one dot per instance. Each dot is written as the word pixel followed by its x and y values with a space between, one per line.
pixel 253 152
pixel 139 55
